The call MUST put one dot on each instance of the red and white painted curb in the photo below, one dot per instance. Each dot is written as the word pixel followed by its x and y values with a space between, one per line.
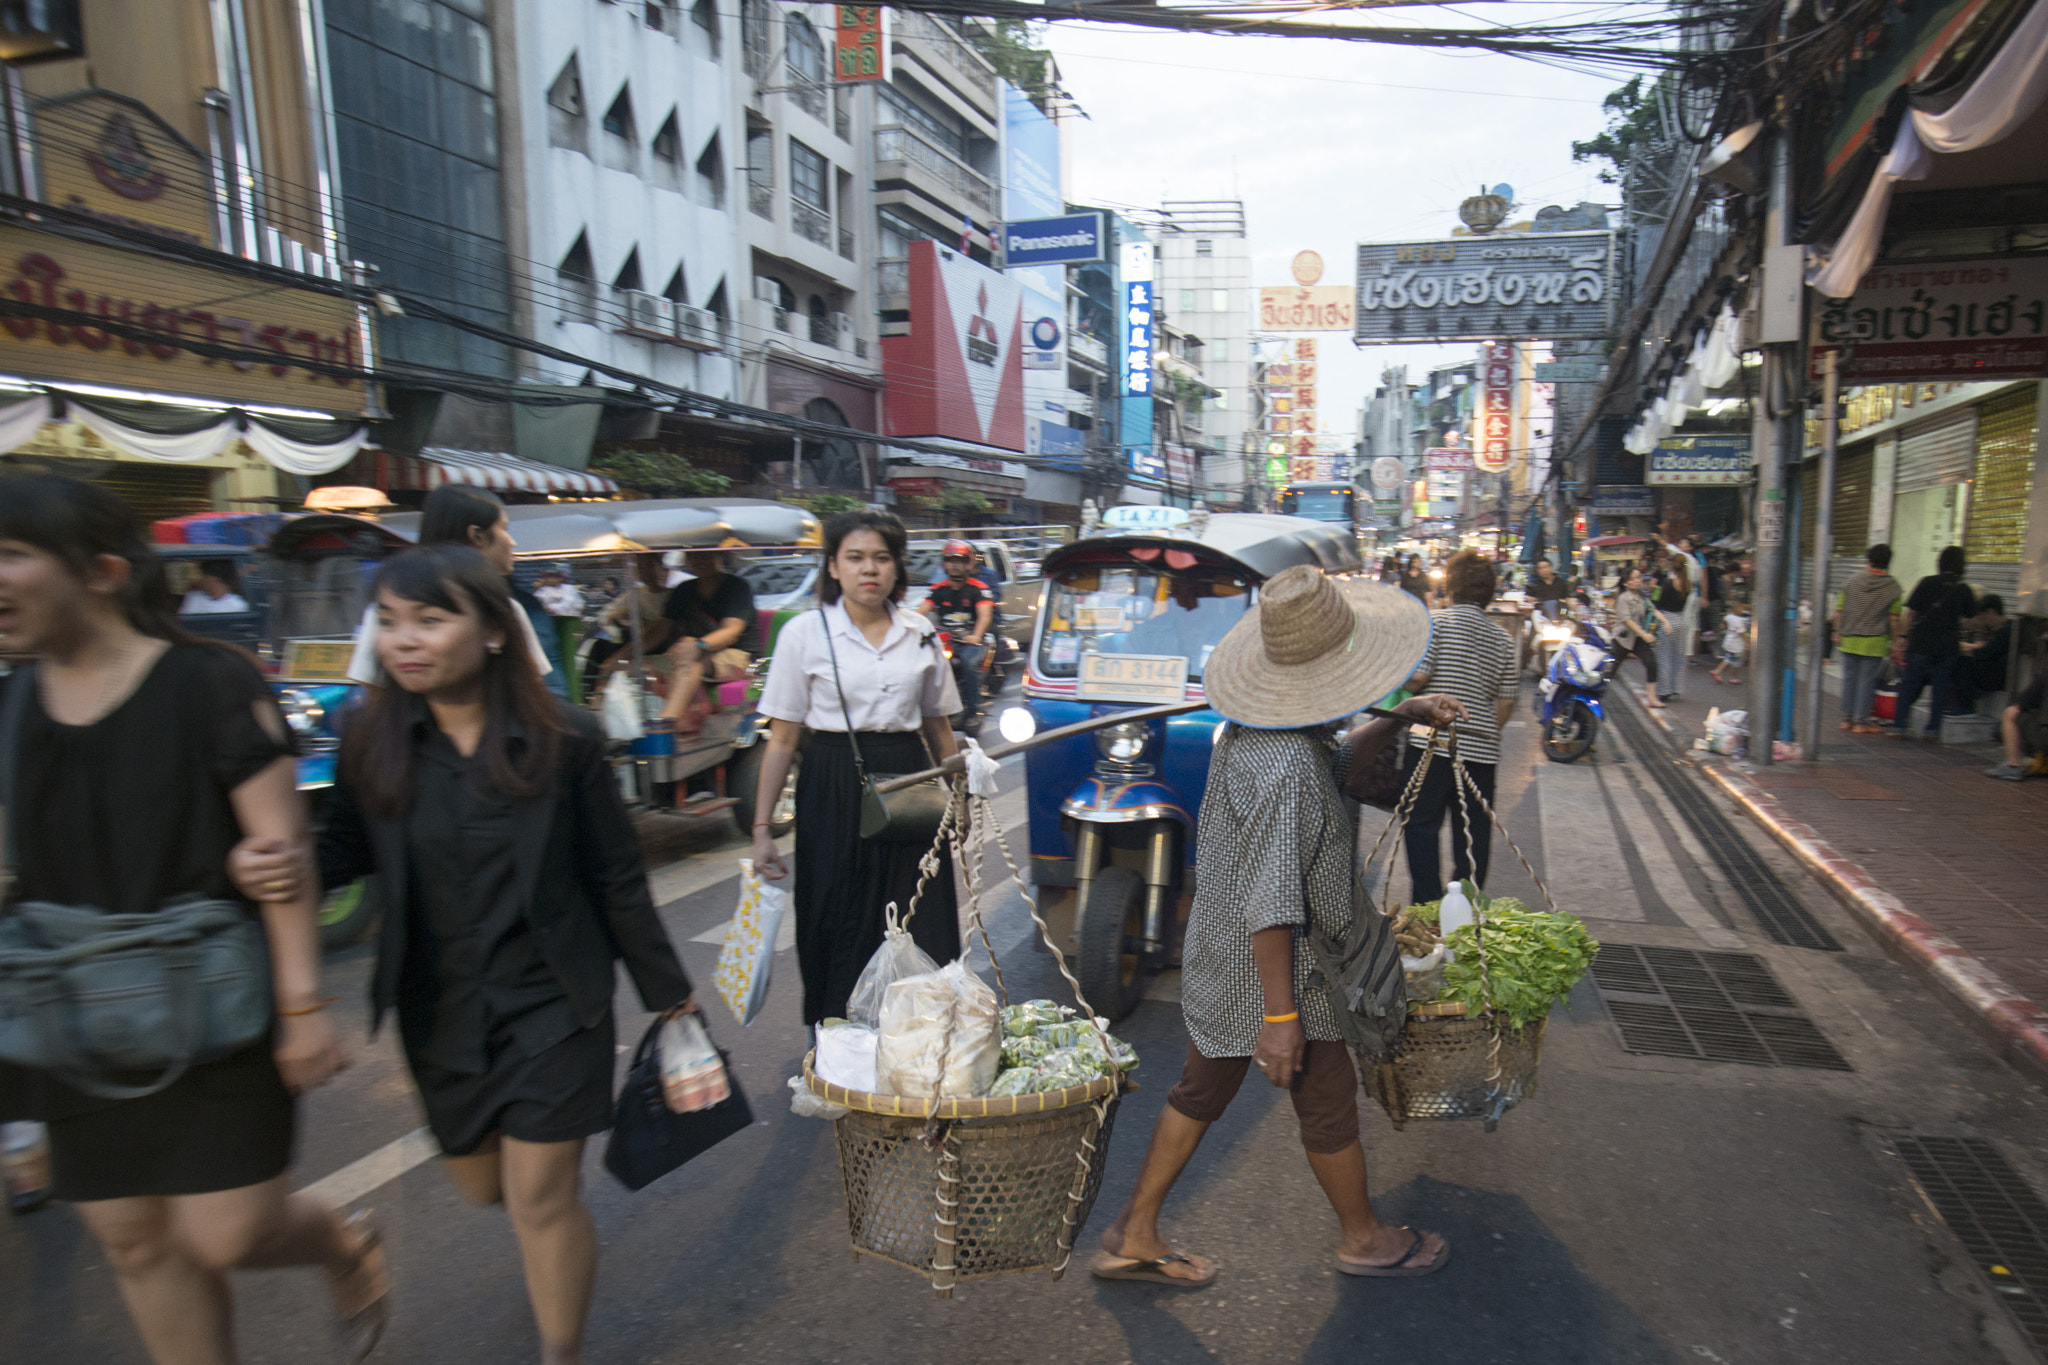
pixel 2018 1023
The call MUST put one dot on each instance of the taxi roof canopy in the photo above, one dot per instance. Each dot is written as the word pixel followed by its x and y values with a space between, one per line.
pixel 1262 542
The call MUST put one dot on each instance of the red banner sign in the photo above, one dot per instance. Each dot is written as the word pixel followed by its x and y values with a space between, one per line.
pixel 860 49
pixel 1493 441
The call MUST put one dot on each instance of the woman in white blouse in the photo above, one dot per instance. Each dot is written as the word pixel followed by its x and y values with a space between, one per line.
pixel 898 691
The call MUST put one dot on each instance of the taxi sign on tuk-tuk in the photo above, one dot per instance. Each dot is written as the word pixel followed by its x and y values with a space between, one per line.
pixel 1140 518
pixel 316 660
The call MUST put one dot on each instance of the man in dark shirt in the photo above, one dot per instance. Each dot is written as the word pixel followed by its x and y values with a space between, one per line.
pixel 1546 586
pixel 716 634
pixel 965 608
pixel 1934 617
pixel 1986 652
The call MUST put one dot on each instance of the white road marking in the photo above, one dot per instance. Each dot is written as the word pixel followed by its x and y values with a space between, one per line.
pixel 380 1167
pixel 688 876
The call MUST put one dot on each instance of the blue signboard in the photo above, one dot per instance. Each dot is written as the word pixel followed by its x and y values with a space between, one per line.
pixel 1699 461
pixel 1067 239
pixel 1146 464
pixel 1057 438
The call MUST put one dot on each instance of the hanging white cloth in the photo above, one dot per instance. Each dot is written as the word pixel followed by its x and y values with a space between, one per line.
pixel 19 422
pixel 2005 94
pixel 148 445
pixel 297 457
pixel 1721 361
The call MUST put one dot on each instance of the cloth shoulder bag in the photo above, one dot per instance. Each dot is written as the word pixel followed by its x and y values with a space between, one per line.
pixel 88 996
pixel 910 816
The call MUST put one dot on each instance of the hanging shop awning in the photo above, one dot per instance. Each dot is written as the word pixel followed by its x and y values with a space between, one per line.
pixel 436 466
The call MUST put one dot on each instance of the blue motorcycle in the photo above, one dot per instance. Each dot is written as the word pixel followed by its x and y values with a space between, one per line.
pixel 1572 689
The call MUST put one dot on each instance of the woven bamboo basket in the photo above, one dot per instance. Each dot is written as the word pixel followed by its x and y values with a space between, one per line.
pixel 1444 1070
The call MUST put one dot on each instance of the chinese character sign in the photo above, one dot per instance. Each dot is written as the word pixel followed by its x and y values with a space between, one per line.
pixel 1493 443
pixel 1304 349
pixel 860 48
pixel 1136 261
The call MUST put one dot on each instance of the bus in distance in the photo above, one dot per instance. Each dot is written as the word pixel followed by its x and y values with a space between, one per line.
pixel 1331 500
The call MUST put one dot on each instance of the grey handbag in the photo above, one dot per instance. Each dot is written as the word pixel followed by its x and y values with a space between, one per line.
pixel 910 816
pixel 86 995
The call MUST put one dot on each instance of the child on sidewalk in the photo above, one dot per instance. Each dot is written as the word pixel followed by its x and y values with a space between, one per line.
pixel 1734 640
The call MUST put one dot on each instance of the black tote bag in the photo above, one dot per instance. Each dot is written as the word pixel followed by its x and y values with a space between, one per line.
pixel 648 1138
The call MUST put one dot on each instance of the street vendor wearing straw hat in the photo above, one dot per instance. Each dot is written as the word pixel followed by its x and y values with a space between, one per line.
pixel 1275 852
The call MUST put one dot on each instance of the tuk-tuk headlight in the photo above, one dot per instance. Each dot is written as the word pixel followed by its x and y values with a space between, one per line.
pixel 1123 743
pixel 1017 724
pixel 302 712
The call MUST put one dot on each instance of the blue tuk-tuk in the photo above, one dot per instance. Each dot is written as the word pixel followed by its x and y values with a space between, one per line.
pixel 1131 611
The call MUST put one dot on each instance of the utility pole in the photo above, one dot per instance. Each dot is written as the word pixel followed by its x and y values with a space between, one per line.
pixel 1823 543
pixel 1779 316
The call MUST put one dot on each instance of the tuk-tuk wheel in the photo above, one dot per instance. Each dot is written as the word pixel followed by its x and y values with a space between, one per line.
pixel 348 914
pixel 1112 964
pixel 743 780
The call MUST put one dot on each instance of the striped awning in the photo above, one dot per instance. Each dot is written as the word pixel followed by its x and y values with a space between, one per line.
pixel 435 466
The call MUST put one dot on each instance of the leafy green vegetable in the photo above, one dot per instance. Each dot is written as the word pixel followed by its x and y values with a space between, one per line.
pixel 1533 959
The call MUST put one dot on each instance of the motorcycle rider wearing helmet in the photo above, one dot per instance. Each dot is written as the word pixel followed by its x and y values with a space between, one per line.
pixel 965 607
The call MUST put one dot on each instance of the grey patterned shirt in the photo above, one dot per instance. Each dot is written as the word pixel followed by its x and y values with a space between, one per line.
pixel 1275 845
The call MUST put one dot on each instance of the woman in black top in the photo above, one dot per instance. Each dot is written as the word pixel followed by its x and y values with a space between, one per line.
pixel 512 881
pixel 1414 581
pixel 1674 586
pixel 142 756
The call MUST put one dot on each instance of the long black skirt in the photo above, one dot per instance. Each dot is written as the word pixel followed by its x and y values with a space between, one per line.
pixel 844 882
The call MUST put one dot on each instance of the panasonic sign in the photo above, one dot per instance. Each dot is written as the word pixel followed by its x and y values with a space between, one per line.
pixel 1053 241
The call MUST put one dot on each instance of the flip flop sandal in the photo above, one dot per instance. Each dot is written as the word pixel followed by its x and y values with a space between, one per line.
pixel 1148 1272
pixel 1405 1267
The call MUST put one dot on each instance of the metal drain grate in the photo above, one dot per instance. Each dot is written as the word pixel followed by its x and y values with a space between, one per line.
pixel 1720 1007
pixel 1994 1213
pixel 1776 909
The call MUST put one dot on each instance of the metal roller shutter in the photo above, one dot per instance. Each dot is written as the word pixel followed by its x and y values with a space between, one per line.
pixel 1853 472
pixel 1938 451
pixel 2004 475
pixel 158 491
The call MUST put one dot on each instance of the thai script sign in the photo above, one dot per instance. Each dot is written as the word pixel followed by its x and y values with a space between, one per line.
pixel 1451 459
pixel 1699 461
pixel 1306 308
pixel 1549 287
pixel 1493 442
pixel 1962 319
pixel 1624 500
pixel 860 46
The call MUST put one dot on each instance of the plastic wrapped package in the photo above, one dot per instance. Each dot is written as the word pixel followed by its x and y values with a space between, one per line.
pixel 692 1073
pixel 1023 1020
pixel 949 1014
pixel 846 1056
pixel 898 957
pixel 1024 1051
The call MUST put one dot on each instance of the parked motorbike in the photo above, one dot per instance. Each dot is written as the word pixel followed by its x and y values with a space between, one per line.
pixel 1572 690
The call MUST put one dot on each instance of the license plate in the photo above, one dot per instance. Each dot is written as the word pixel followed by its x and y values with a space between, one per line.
pixel 1133 677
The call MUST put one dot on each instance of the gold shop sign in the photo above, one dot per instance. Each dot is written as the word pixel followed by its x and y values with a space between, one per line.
pixel 174 301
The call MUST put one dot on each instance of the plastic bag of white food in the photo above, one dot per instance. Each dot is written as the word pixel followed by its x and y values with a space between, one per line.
pixel 950 1013
pixel 622 708
pixel 897 958
pixel 846 1056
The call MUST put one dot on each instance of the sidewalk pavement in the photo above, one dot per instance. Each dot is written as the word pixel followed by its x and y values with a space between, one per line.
pixel 1945 864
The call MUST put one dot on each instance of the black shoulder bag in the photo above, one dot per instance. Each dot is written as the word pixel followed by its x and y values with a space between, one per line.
pixel 910 816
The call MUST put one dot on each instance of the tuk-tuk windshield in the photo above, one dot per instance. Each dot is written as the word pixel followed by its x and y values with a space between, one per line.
pixel 1120 610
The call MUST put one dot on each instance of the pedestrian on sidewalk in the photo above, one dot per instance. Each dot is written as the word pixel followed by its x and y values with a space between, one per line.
pixel 862 669
pixel 1275 856
pixel 1734 641
pixel 1866 621
pixel 1986 653
pixel 512 882
pixel 1674 594
pixel 141 755
pixel 1636 627
pixel 1932 623
pixel 2022 729
pixel 1472 659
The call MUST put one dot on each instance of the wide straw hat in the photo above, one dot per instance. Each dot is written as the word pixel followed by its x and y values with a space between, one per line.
pixel 1314 650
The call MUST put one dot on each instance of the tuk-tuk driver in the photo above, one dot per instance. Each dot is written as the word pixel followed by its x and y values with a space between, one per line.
pixel 965 606
pixel 214 592
pixel 715 636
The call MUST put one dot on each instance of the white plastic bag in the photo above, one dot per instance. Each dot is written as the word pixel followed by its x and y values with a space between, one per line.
pixel 692 1073
pixel 897 958
pixel 748 957
pixel 622 708
pixel 846 1056
pixel 806 1105
pixel 948 1017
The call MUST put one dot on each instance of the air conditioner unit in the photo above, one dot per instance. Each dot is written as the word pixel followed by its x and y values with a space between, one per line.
pixel 768 289
pixel 646 314
pixel 697 325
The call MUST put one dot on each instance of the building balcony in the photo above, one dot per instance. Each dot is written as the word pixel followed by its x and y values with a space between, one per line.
pixel 808 94
pixel 761 199
pixel 1089 350
pixel 892 284
pixel 846 243
pixel 955 57
pixel 899 151
pixel 829 337
pixel 812 223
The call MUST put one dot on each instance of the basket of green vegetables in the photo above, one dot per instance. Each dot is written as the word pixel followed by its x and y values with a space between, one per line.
pixel 1471 1050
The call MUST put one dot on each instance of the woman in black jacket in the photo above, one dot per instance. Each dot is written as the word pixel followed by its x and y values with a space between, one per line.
pixel 512 881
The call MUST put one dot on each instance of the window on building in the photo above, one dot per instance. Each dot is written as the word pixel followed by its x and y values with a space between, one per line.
pixel 1187 300
pixel 567 118
pixel 576 278
pixel 675 291
pixel 807 172
pixel 1219 350
pixel 761 157
pixel 629 273
pixel 901 104
pixel 618 120
pixel 717 305
pixel 1219 300
pixel 668 141
pixel 705 13
pixel 711 174
pixel 754 35
pixel 661 15
pixel 806 53
pixel 1204 247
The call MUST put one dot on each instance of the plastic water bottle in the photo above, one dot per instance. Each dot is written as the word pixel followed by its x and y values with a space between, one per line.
pixel 1455 912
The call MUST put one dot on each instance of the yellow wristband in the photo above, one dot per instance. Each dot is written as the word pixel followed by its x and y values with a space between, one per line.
pixel 1283 1018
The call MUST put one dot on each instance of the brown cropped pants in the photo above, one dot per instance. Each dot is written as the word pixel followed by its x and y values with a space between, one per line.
pixel 1325 1093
